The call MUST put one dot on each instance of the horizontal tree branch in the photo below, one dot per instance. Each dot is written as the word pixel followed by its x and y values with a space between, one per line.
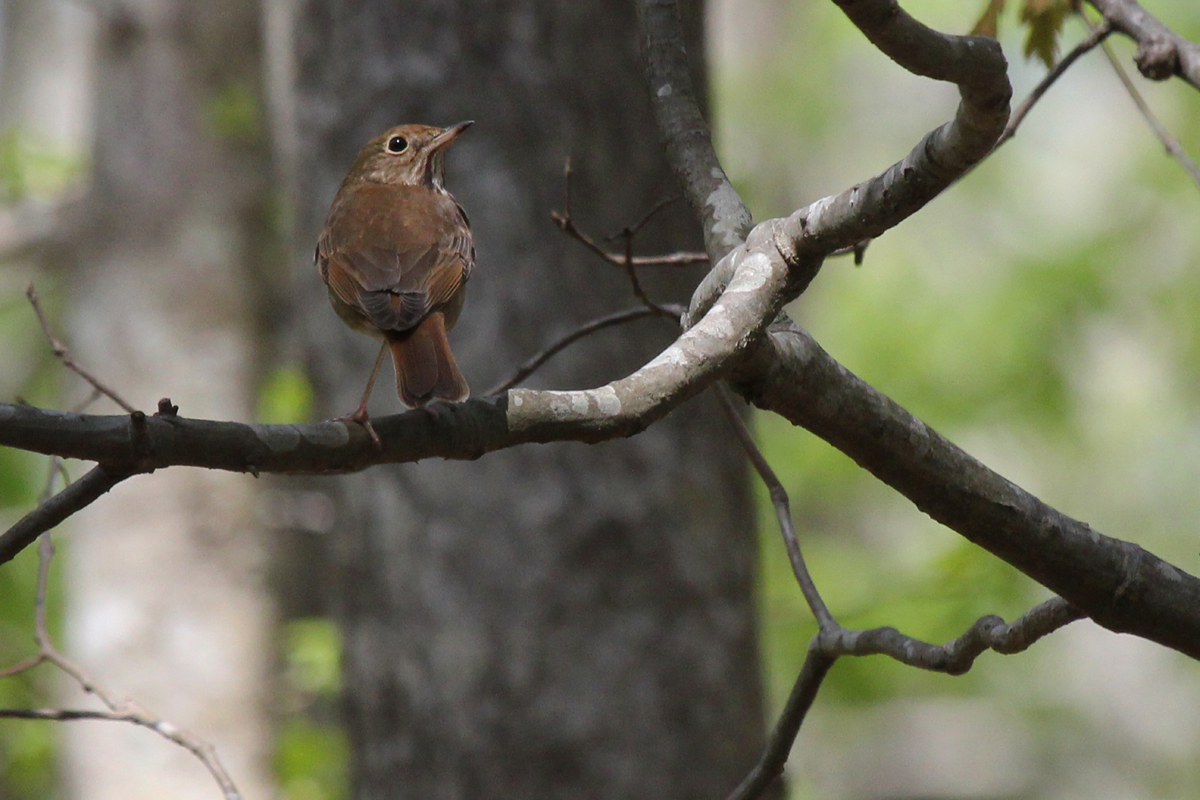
pixel 134 443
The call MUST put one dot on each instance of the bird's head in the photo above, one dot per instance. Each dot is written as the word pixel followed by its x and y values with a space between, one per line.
pixel 410 155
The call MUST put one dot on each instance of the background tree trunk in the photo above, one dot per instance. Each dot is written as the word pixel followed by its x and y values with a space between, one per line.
pixel 167 602
pixel 561 621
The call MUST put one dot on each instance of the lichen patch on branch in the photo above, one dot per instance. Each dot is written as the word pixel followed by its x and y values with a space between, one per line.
pixel 729 215
pixel 279 438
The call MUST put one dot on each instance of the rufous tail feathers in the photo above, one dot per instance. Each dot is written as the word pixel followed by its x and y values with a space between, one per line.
pixel 425 368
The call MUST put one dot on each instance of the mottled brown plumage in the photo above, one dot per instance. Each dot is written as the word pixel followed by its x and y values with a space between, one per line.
pixel 396 254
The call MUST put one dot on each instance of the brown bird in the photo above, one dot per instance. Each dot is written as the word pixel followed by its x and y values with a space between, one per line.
pixel 396 254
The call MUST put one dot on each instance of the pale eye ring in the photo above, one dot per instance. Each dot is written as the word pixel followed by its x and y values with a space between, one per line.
pixel 397 144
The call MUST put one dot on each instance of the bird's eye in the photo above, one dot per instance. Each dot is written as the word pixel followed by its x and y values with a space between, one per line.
pixel 397 144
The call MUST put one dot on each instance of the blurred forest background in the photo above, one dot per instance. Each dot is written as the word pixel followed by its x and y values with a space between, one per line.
pixel 1044 314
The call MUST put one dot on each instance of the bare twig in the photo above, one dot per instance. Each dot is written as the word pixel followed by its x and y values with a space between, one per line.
pixel 126 711
pixel 1096 36
pixel 1169 140
pixel 858 250
pixel 117 710
pixel 833 641
pixel 537 360
pixel 627 260
pixel 954 658
pixel 64 355
pixel 783 510
pixel 78 495
pixel 566 223
pixel 779 746
pixel 958 655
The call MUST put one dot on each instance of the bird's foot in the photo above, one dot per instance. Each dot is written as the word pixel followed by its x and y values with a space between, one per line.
pixel 361 417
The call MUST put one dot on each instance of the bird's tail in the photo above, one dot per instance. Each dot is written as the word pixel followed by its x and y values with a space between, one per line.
pixel 425 368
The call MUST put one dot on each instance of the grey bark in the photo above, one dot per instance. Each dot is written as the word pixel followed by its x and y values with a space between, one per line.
pixel 565 621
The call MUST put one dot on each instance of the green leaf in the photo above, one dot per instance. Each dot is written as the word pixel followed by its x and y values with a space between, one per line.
pixel 1045 19
pixel 234 113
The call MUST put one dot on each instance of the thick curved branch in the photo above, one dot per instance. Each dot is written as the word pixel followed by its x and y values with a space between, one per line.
pixel 724 217
pixel 976 64
pixel 1116 583
pixel 1161 52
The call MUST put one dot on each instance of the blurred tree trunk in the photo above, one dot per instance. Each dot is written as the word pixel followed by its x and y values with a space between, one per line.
pixel 556 621
pixel 167 601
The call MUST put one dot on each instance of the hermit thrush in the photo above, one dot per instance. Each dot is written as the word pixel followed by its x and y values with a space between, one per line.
pixel 396 253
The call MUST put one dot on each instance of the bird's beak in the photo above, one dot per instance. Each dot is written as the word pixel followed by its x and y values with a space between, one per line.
pixel 450 134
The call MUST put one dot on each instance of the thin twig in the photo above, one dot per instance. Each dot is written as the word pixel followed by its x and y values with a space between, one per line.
pixel 628 233
pixel 565 221
pixel 118 710
pixel 64 355
pixel 779 746
pixel 1169 140
pixel 857 250
pixel 631 272
pixel 636 228
pixel 958 655
pixel 78 495
pixel 537 360
pixel 680 259
pixel 129 712
pixel 64 714
pixel 1096 36
pixel 783 509
pixel 954 658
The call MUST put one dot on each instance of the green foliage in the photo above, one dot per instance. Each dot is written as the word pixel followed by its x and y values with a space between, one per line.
pixel 27 748
pixel 1044 314
pixel 235 113
pixel 312 754
pixel 286 396
pixel 31 168
pixel 313 653
pixel 311 761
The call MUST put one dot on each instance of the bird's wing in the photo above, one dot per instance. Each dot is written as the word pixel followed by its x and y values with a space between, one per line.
pixel 404 255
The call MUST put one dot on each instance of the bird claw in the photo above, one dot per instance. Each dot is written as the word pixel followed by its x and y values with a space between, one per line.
pixel 361 417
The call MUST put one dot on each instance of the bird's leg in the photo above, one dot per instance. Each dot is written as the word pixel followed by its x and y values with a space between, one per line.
pixel 360 414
